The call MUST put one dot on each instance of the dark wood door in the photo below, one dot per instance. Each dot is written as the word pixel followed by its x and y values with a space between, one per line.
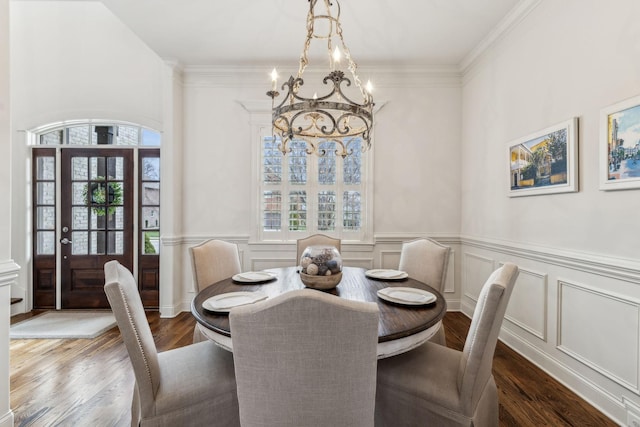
pixel 96 221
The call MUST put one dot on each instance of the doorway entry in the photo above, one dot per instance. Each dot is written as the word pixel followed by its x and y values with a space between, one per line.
pixel 103 204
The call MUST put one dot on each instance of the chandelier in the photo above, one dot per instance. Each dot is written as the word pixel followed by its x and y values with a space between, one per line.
pixel 331 115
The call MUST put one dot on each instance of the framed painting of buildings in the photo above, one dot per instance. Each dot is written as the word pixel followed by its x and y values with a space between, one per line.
pixel 620 145
pixel 545 162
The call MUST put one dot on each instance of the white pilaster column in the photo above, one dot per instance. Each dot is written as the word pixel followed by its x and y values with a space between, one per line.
pixel 8 269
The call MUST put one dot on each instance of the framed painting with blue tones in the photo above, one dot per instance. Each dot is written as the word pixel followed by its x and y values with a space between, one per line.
pixel 545 162
pixel 620 145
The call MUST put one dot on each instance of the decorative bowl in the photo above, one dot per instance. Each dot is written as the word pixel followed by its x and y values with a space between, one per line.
pixel 321 267
pixel 321 282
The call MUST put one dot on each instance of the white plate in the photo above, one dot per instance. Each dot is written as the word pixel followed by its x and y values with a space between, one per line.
pixel 225 302
pixel 254 277
pixel 407 296
pixel 384 274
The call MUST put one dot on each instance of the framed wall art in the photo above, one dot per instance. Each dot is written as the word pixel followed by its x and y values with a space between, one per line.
pixel 620 145
pixel 545 162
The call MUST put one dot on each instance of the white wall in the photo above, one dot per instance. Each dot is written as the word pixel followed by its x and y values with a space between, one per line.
pixel 416 193
pixel 575 309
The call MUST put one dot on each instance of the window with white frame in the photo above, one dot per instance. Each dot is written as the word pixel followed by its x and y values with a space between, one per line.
pixel 302 194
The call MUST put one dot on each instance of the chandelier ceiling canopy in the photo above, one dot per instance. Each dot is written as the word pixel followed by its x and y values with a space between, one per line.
pixel 326 113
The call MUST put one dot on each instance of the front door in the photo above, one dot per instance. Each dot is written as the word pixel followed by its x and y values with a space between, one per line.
pixel 96 221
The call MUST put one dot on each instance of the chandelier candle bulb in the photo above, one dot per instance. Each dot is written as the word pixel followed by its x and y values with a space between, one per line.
pixel 336 58
pixel 369 86
pixel 274 80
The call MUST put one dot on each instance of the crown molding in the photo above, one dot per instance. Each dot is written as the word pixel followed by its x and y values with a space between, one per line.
pixel 381 76
pixel 504 27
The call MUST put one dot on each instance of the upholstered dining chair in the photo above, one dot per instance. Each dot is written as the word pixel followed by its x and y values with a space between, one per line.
pixel 440 386
pixel 187 386
pixel 427 261
pixel 305 358
pixel 316 240
pixel 211 261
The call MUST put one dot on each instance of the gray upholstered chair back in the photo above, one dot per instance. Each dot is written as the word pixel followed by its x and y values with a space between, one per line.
pixel 212 261
pixel 305 358
pixel 122 293
pixel 316 240
pixel 425 260
pixel 477 355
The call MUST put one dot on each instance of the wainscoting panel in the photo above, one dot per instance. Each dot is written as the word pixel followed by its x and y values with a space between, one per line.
pixel 449 284
pixel 528 304
pixel 576 315
pixel 389 259
pixel 477 270
pixel 600 330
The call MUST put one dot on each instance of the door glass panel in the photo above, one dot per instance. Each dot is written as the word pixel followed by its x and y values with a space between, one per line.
pixel 115 168
pixel 46 193
pixel 46 217
pixel 150 138
pixel 150 218
pixel 150 168
pixel 151 241
pixel 97 245
pixel 115 196
pixel 46 243
pixel 115 220
pixel 79 168
pixel 46 168
pixel 80 218
pixel 79 135
pixel 115 243
pixel 80 245
pixel 79 193
pixel 98 221
pixel 151 193
pixel 51 138
pixel 96 167
pixel 127 135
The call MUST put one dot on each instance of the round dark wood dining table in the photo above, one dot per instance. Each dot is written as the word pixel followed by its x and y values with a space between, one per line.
pixel 400 328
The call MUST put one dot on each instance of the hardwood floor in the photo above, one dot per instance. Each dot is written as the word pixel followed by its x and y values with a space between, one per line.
pixel 88 382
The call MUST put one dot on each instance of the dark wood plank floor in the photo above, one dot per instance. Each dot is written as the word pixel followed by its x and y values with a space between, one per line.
pixel 88 382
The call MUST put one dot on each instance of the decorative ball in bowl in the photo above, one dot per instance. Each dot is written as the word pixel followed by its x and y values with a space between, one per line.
pixel 321 267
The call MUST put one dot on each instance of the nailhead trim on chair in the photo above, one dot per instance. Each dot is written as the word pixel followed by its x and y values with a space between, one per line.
pixel 135 331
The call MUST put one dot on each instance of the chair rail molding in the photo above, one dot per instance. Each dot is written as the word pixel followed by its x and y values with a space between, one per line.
pixel 599 264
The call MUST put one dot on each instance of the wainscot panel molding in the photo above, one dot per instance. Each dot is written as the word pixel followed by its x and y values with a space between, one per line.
pixel 477 270
pixel 587 316
pixel 575 315
pixel 528 304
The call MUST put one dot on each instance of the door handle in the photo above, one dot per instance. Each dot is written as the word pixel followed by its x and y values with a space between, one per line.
pixel 65 241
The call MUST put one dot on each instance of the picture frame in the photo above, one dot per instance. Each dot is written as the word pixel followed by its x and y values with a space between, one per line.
pixel 620 145
pixel 545 162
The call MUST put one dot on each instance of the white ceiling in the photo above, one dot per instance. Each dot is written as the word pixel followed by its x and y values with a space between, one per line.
pixel 417 33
